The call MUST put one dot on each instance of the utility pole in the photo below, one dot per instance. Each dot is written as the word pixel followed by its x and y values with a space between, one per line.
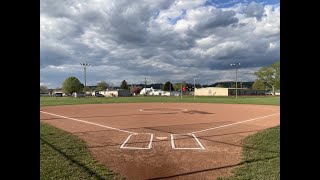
pixel 169 88
pixel 236 65
pixel 194 87
pixel 145 86
pixel 85 72
pixel 181 90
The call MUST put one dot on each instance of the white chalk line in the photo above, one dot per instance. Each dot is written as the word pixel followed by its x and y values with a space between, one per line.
pixel 174 147
pixel 172 142
pixel 253 119
pixel 130 147
pixel 150 143
pixel 126 141
pixel 151 135
pixel 87 122
pixel 198 141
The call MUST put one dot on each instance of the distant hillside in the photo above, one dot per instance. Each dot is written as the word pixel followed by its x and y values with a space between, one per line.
pixel 227 84
pixel 230 84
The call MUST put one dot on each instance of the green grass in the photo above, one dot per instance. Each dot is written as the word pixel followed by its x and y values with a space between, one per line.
pixel 52 101
pixel 64 156
pixel 261 157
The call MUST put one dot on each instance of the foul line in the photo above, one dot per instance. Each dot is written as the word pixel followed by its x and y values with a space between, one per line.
pixel 234 123
pixel 89 123
pixel 126 147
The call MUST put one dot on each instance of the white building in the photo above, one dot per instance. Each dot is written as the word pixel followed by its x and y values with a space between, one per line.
pixel 148 91
pixel 116 93
pixel 158 92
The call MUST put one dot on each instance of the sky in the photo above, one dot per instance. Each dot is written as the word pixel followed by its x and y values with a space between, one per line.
pixel 161 40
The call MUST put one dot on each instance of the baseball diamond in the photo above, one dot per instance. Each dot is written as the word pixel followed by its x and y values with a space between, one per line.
pixel 164 140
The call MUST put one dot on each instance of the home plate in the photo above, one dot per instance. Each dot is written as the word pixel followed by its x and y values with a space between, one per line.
pixel 161 138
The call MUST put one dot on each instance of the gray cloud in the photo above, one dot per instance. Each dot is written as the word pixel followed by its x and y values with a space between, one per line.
pixel 254 10
pixel 215 18
pixel 135 39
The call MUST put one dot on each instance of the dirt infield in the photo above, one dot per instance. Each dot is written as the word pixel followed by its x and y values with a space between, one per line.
pixel 164 140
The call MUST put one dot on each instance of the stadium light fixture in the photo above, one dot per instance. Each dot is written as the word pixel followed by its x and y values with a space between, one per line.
pixel 237 66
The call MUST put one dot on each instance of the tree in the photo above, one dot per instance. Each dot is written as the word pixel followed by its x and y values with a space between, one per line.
pixel 166 86
pixel 270 75
pixel 124 85
pixel 177 86
pixel 102 86
pixel 198 85
pixel 220 85
pixel 258 85
pixel 233 85
pixel 71 85
pixel 87 89
pixel 57 89
pixel 44 89
pixel 276 67
pixel 135 89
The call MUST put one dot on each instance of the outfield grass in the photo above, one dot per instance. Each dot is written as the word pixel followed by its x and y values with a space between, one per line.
pixel 261 157
pixel 267 100
pixel 64 156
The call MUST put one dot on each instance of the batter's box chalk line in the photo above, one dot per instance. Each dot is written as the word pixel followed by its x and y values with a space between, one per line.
pixel 123 146
pixel 194 137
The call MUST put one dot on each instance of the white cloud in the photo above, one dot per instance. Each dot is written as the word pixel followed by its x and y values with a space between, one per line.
pixel 188 4
pixel 160 40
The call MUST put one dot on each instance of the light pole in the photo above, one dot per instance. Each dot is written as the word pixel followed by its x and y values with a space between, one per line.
pixel 236 65
pixel 194 87
pixel 85 72
pixel 145 86
pixel 181 90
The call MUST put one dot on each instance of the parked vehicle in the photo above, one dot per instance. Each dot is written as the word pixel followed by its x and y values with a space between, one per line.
pixel 99 95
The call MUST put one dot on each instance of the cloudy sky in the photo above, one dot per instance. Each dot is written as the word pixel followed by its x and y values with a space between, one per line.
pixel 175 40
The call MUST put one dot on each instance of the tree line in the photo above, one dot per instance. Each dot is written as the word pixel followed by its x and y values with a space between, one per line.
pixel 267 78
